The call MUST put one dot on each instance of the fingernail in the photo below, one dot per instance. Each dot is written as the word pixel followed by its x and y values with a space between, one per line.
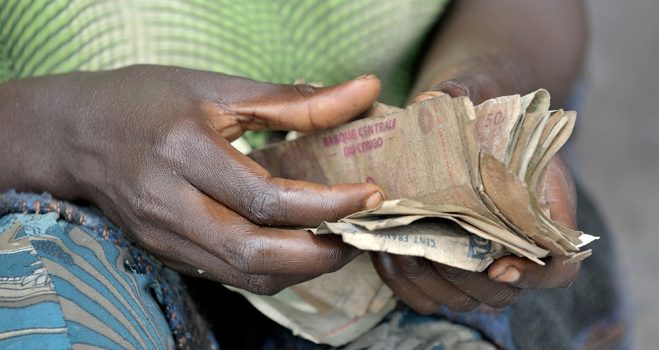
pixel 453 87
pixel 363 76
pixel 510 275
pixel 374 201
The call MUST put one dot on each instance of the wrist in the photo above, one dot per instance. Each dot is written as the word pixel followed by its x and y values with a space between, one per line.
pixel 34 135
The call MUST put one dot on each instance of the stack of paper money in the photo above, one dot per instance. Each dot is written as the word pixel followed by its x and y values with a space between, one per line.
pixel 465 185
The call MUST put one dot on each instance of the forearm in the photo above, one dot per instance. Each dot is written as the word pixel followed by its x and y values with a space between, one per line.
pixel 516 45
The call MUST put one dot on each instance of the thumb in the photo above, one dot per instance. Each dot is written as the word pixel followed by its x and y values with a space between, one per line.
pixel 301 107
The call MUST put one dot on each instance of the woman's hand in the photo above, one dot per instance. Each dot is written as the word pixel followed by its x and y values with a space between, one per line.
pixel 482 53
pixel 425 285
pixel 149 145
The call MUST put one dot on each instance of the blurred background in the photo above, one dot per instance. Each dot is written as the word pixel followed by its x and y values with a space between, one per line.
pixel 618 145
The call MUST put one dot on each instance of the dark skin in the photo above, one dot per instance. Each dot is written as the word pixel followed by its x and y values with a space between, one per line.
pixel 149 146
pixel 489 49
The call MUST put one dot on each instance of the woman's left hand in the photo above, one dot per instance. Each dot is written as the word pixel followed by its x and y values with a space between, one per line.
pixel 425 285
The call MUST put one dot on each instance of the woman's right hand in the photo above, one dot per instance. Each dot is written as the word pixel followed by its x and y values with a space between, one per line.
pixel 149 145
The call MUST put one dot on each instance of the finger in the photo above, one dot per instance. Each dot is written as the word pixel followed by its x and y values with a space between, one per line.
pixel 257 284
pixel 186 257
pixel 560 193
pixel 479 287
pixel 420 272
pixel 402 287
pixel 257 250
pixel 523 273
pixel 299 107
pixel 478 87
pixel 219 170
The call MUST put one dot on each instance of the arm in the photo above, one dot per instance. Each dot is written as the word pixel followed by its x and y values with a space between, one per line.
pixel 487 49
pixel 149 145
pixel 505 47
pixel 31 135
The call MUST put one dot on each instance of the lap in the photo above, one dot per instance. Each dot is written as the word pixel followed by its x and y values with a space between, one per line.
pixel 88 284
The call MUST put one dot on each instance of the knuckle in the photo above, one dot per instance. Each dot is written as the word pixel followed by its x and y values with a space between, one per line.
pixel 454 274
pixel 264 206
pixel 504 297
pixel 250 256
pixel 463 303
pixel 412 268
pixel 149 206
pixel 146 205
pixel 263 285
pixel 173 141
pixel 171 154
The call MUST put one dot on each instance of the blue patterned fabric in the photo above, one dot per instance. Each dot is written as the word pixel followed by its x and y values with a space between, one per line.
pixel 493 323
pixel 70 278
pixel 90 285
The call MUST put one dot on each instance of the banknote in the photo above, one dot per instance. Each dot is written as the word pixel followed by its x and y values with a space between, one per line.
pixel 464 187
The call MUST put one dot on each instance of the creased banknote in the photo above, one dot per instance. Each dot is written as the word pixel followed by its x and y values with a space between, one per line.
pixel 464 185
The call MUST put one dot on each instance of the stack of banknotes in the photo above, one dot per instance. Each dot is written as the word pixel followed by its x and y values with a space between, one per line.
pixel 464 185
